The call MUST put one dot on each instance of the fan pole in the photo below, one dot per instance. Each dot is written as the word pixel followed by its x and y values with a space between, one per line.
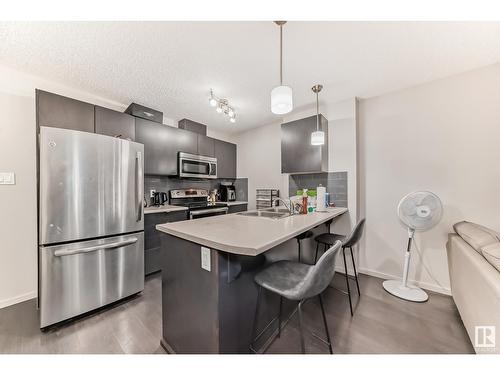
pixel 411 232
pixel 400 288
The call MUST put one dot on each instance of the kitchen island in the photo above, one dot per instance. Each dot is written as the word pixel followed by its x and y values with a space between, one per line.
pixel 208 266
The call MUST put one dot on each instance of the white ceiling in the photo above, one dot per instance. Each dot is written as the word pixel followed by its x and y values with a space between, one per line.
pixel 171 66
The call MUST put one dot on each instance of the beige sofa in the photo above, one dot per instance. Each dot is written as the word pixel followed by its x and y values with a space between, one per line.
pixel 474 265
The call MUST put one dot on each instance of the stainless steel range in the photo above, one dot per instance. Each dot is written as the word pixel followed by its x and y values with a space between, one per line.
pixel 196 201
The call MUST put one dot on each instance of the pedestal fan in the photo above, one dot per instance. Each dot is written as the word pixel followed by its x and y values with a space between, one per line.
pixel 418 211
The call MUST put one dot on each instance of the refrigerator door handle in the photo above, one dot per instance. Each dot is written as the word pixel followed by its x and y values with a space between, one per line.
pixel 138 185
pixel 112 245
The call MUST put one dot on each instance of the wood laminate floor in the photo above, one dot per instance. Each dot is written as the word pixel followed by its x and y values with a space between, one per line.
pixel 381 324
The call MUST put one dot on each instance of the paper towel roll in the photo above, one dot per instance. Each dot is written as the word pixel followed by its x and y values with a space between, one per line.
pixel 320 198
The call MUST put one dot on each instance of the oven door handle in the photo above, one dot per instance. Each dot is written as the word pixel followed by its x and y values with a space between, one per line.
pixel 207 211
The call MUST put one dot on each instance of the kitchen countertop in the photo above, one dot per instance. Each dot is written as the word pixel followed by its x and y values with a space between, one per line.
pixel 246 235
pixel 164 208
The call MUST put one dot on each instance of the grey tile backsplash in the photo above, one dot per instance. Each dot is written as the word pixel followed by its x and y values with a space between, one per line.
pixel 164 183
pixel 335 183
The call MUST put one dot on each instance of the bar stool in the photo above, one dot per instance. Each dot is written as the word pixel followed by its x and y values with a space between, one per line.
pixel 297 282
pixel 301 237
pixel 328 239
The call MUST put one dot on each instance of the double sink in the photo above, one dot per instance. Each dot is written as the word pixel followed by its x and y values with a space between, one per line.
pixel 270 213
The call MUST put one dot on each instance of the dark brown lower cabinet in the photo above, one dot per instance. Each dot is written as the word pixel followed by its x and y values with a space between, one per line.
pixel 152 256
pixel 237 208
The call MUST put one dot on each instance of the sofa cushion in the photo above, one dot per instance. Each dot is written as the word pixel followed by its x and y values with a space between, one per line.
pixel 492 254
pixel 476 235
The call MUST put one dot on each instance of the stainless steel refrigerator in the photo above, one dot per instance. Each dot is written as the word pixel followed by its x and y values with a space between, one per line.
pixel 91 222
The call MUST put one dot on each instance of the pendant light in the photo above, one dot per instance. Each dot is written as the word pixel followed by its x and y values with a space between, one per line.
pixel 281 96
pixel 317 137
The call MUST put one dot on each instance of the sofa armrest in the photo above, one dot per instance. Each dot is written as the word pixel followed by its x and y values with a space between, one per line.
pixel 475 287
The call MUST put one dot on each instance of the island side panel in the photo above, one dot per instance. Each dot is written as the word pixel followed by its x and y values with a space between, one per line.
pixel 189 298
pixel 238 300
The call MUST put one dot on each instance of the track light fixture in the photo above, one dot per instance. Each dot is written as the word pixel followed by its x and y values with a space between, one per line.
pixel 222 106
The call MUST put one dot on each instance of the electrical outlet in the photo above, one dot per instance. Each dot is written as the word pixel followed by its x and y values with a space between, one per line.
pixel 152 193
pixel 205 258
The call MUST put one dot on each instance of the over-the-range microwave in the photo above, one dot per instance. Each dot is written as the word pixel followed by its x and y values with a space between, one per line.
pixel 197 166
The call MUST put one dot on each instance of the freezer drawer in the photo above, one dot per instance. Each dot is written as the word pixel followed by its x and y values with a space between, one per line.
pixel 82 276
pixel 91 186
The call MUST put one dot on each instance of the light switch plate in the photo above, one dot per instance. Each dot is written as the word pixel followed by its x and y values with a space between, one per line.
pixel 7 178
pixel 205 258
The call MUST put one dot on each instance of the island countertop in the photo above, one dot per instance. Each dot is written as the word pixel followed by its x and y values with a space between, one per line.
pixel 246 235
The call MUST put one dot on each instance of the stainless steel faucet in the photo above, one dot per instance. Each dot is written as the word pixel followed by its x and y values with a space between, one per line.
pixel 288 205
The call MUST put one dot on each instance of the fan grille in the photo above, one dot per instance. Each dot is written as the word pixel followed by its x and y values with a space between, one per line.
pixel 420 210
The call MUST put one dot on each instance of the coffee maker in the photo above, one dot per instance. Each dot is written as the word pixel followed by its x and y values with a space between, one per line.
pixel 227 192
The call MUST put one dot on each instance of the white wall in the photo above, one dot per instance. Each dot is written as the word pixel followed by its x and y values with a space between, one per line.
pixel 259 159
pixel 442 136
pixel 18 215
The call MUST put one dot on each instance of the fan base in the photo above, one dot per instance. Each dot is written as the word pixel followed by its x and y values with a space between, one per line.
pixel 409 293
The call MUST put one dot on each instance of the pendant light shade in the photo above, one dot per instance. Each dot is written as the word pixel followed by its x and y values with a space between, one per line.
pixel 317 137
pixel 281 100
pixel 281 96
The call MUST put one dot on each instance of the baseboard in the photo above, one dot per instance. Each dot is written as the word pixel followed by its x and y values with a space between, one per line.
pixel 423 285
pixel 17 299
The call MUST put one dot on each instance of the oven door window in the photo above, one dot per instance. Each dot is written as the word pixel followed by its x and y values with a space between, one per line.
pixel 195 167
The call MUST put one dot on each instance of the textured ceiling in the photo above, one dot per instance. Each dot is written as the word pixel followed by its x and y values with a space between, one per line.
pixel 171 66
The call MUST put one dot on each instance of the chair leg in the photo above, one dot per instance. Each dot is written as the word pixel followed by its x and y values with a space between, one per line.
pixel 298 242
pixel 254 326
pixel 330 346
pixel 316 256
pixel 355 272
pixel 302 343
pixel 279 316
pixel 347 281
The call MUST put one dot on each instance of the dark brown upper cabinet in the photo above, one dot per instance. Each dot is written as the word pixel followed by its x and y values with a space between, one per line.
pixel 225 153
pixel 297 153
pixel 206 146
pixel 114 124
pixel 162 143
pixel 61 112
pixel 192 126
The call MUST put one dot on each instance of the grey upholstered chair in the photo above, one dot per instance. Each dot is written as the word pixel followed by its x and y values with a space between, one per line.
pixel 297 282
pixel 328 239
